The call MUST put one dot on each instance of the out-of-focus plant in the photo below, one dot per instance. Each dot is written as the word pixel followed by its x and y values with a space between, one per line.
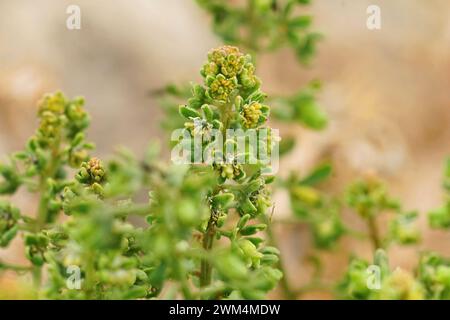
pixel 42 167
pixel 434 274
pixel 431 279
pixel 434 270
pixel 377 282
pixel 312 206
pixel 369 198
pixel 440 218
pixel 264 25
pixel 200 239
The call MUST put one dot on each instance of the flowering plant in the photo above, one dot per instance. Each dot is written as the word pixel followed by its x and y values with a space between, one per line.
pixel 201 237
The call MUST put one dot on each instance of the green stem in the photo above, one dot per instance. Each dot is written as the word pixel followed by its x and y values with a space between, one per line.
pixel 89 281
pixel 374 232
pixel 37 276
pixel 208 239
pixel 210 233
pixel 288 292
pixel 41 218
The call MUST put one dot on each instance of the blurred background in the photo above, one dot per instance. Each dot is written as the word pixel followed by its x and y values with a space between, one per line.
pixel 387 93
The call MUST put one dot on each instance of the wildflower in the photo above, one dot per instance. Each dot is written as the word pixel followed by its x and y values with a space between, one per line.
pixel 53 103
pixel 91 172
pixel 369 196
pixel 232 171
pixel 247 77
pixel 227 60
pixel 220 87
pixel 254 114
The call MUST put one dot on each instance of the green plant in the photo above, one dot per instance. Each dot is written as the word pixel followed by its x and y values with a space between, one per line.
pixel 259 26
pixel 200 238
pixel 57 145
pixel 129 228
pixel 431 277
pixel 393 285
pixel 264 25
pixel 370 199
pixel 312 206
pixel 287 29
pixel 440 218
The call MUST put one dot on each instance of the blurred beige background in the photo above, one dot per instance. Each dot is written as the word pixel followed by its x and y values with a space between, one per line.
pixel 387 91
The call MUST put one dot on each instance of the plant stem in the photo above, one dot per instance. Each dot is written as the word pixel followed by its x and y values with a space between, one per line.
pixel 89 281
pixel 37 275
pixel 288 292
pixel 208 239
pixel 41 218
pixel 210 233
pixel 374 232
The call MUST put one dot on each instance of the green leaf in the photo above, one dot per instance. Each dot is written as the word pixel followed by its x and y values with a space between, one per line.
pixel 251 230
pixel 312 116
pixel 188 113
pixel 222 201
pixel 318 175
pixel 286 145
pixel 300 22
pixel 243 221
pixel 207 111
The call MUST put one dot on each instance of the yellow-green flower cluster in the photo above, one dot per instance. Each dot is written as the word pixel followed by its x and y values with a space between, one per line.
pixel 62 122
pixel 232 171
pixel 51 114
pixel 220 88
pixel 254 114
pixel 227 60
pixel 227 71
pixel 369 197
pixel 91 172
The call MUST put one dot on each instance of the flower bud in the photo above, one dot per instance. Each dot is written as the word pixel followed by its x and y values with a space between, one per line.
pixel 91 172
